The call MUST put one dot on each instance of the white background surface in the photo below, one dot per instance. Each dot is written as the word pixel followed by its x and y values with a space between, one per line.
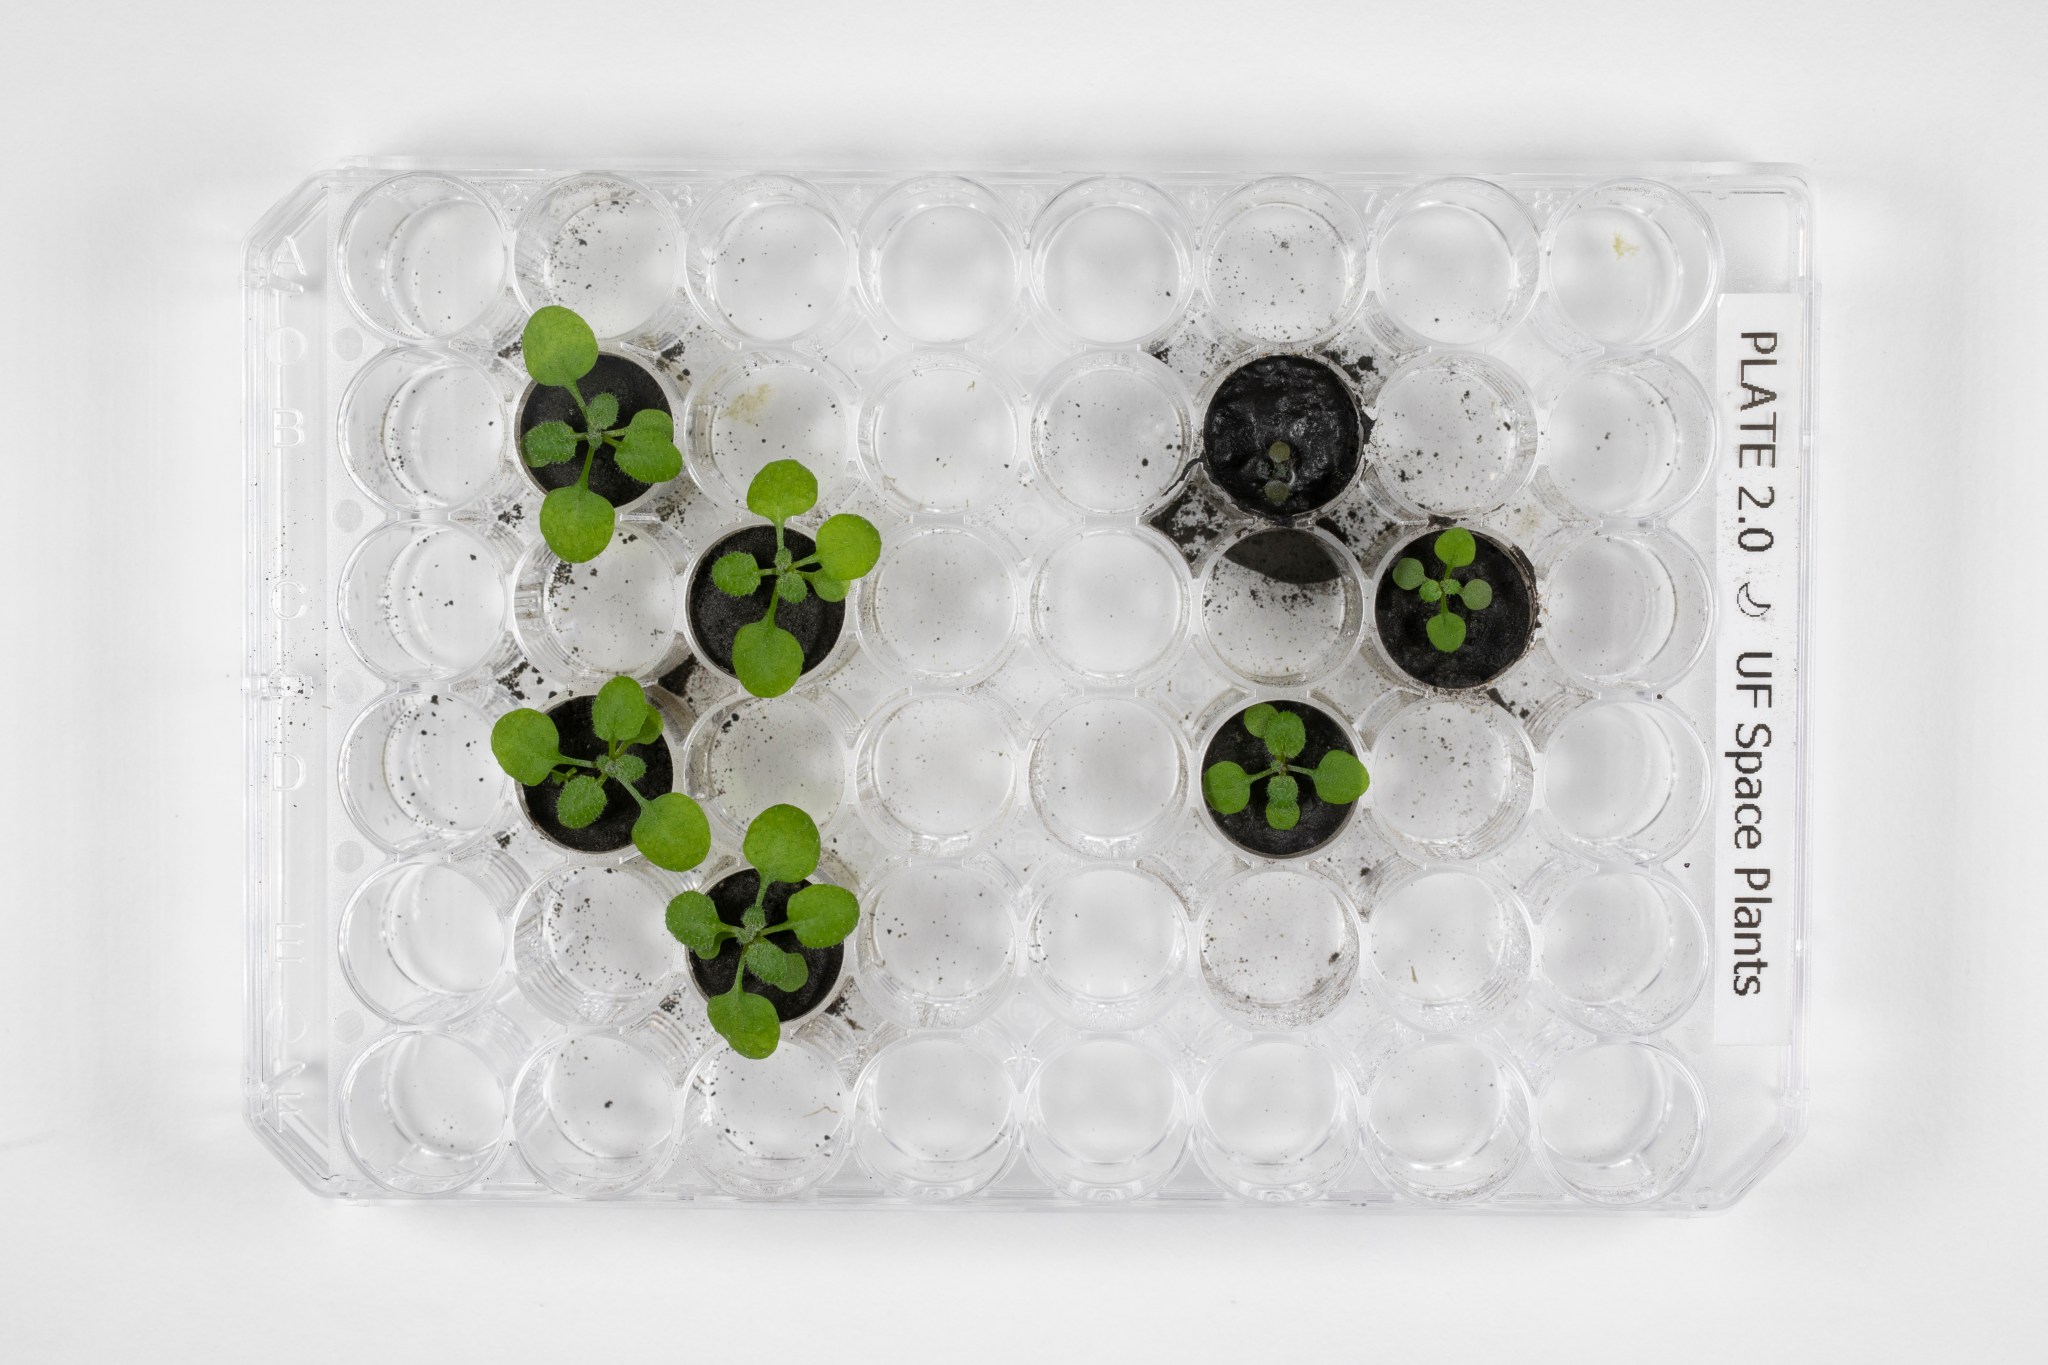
pixel 140 141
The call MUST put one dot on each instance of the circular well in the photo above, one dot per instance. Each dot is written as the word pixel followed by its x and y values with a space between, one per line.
pixel 1110 604
pixel 751 754
pixel 423 1113
pixel 423 600
pixel 1622 1123
pixel 1283 259
pixel 1625 777
pixel 1108 775
pixel 1457 262
pixel 423 431
pixel 937 771
pixel 942 259
pixel 762 406
pixel 425 943
pixel 1110 261
pixel 1447 1122
pixel 938 943
pixel 595 1114
pixel 1451 778
pixel 941 606
pixel 602 245
pixel 1276 1121
pixel 1627 437
pixel 940 432
pixel 1279 948
pixel 1448 950
pixel 1282 607
pixel 422 256
pixel 615 614
pixel 590 945
pixel 416 772
pixel 1454 435
pixel 938 1117
pixel 1106 1119
pixel 770 258
pixel 1111 432
pixel 1621 951
pixel 768 1128
pixel 1632 263
pixel 1107 944
pixel 1626 608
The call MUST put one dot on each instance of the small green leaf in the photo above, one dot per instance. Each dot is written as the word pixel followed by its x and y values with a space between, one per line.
pixel 1340 778
pixel 848 546
pixel 648 449
pixel 576 523
pixel 619 711
pixel 1276 491
pixel 1228 787
pixel 672 832
pixel 558 347
pixel 1283 791
pixel 693 919
pixel 527 745
pixel 782 844
pixel 1257 718
pixel 828 588
pixel 1408 574
pixel 746 1021
pixel 736 574
pixel 1447 632
pixel 823 915
pixel 581 801
pixel 549 443
pixel 627 768
pixel 790 587
pixel 1282 817
pixel 783 489
pixel 604 412
pixel 650 728
pixel 784 970
pixel 1450 587
pixel 1456 548
pixel 1430 591
pixel 1478 594
pixel 767 658
pixel 1286 735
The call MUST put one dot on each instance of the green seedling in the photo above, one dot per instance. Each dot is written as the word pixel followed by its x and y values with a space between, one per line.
pixel 559 349
pixel 671 830
pixel 1279 472
pixel 1338 777
pixel 782 845
pixel 1455 549
pixel 767 658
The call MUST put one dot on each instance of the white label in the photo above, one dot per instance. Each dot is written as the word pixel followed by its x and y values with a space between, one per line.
pixel 1755 744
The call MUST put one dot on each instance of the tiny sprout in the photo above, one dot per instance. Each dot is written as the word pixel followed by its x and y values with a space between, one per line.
pixel 767 658
pixel 1279 473
pixel 1455 549
pixel 559 348
pixel 1338 777
pixel 671 831
pixel 782 845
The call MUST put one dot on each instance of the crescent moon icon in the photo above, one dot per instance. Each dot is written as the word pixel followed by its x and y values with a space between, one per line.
pixel 1748 603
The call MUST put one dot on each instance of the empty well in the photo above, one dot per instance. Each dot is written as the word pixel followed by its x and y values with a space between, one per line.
pixel 1108 775
pixel 1621 951
pixel 1283 259
pixel 1107 945
pixel 424 431
pixel 1632 263
pixel 767 1128
pixel 1453 435
pixel 590 945
pixel 751 754
pixel 940 432
pixel 1453 779
pixel 1275 1121
pixel 1278 947
pixel 1626 608
pixel 942 259
pixel 1627 436
pixel 1456 262
pixel 938 1117
pixel 770 259
pixel 1110 261
pixel 604 246
pixel 615 614
pixel 1110 604
pixel 1106 1118
pixel 937 771
pixel 423 256
pixel 1111 432
pixel 1447 950
pixel 427 942
pixel 1282 607
pixel 769 405
pixel 423 600
pixel 423 1112
pixel 1447 1122
pixel 417 772
pixel 941 606
pixel 938 943
pixel 1625 778
pixel 594 1114
pixel 1622 1123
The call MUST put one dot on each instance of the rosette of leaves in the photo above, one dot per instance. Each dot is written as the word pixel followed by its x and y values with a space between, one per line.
pixel 559 349
pixel 767 658
pixel 782 846
pixel 671 830
pixel 1455 549
pixel 1337 779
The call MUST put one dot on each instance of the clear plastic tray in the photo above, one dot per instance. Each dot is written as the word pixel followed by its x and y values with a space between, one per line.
pixel 1553 960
